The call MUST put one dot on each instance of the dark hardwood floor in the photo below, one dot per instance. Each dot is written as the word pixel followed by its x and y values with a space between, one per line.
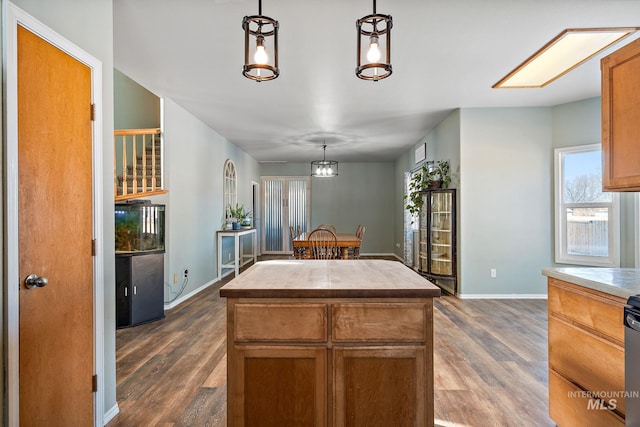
pixel 490 364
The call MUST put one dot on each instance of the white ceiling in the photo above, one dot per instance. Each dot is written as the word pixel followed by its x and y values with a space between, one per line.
pixel 445 54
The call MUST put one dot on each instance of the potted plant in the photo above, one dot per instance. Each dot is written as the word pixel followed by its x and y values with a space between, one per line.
pixel 431 175
pixel 239 216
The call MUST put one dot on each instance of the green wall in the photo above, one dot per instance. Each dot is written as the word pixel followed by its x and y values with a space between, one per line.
pixel 502 163
pixel 134 106
pixel 194 160
pixel 362 193
pixel 505 164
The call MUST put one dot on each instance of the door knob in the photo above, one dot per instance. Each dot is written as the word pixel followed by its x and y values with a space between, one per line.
pixel 34 281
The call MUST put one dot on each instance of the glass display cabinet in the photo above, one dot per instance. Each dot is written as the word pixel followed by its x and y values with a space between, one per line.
pixel 437 234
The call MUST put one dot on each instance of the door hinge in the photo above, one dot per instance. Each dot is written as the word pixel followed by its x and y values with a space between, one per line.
pixel 93 247
pixel 93 112
pixel 94 383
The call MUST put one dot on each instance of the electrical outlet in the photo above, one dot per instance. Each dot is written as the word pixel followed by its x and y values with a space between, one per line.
pixel 493 272
pixel 175 278
pixel 186 272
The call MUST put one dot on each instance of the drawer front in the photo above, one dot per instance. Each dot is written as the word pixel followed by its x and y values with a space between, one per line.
pixel 394 322
pixel 280 322
pixel 600 313
pixel 570 407
pixel 587 360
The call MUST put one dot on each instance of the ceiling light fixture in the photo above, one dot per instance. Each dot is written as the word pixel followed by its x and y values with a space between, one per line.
pixel 324 168
pixel 565 52
pixel 374 38
pixel 262 65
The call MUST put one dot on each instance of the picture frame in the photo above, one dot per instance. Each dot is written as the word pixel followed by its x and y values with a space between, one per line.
pixel 421 152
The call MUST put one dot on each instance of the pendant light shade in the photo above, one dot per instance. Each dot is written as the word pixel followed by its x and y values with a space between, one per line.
pixel 374 46
pixel 324 168
pixel 260 47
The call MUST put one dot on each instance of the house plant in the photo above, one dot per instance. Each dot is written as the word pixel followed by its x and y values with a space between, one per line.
pixel 430 176
pixel 239 216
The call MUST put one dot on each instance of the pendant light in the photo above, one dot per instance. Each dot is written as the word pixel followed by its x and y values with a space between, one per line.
pixel 324 168
pixel 374 46
pixel 260 47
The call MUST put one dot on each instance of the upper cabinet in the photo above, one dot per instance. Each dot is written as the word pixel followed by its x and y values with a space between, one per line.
pixel 621 119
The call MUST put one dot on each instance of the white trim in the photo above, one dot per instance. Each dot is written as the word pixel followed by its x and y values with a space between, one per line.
pixel 111 413
pixel 185 297
pixel 502 296
pixel 561 256
pixel 14 16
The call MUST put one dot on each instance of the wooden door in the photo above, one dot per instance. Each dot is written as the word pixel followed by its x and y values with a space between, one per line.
pixel 55 235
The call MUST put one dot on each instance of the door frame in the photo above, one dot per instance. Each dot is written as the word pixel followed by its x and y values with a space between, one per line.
pixel 15 16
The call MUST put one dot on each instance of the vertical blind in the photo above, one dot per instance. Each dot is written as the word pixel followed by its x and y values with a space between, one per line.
pixel 285 204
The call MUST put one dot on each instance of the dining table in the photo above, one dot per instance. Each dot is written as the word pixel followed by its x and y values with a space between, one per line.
pixel 344 242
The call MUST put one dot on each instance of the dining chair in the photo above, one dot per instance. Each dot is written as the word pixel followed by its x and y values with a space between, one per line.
pixel 327 227
pixel 359 234
pixel 323 244
pixel 295 252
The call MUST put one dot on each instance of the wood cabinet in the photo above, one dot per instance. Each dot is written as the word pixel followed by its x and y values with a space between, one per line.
pixel 586 356
pixel 621 119
pixel 346 357
pixel 139 289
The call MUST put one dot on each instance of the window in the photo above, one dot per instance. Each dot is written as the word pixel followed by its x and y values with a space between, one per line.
pixel 230 192
pixel 587 228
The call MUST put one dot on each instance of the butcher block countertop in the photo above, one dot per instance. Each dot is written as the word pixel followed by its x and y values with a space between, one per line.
pixel 329 279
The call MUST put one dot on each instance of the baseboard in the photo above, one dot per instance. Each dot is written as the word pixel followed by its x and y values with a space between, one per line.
pixel 381 255
pixel 502 296
pixel 182 299
pixel 111 413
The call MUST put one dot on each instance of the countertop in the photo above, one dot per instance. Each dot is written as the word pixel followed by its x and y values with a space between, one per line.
pixel 620 282
pixel 329 279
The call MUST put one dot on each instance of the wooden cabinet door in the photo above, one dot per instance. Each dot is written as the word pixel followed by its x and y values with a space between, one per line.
pixel 366 395
pixel 275 386
pixel 621 119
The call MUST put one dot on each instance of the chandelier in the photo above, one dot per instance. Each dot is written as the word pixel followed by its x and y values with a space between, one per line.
pixel 257 30
pixel 324 168
pixel 374 34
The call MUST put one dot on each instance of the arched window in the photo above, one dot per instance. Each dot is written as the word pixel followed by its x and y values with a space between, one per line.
pixel 230 191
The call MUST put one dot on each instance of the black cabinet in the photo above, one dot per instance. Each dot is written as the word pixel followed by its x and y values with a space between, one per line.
pixel 139 288
pixel 437 234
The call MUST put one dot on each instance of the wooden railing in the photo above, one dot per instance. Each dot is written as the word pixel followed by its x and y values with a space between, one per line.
pixel 137 163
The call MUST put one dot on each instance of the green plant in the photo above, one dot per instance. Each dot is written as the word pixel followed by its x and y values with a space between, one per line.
pixel 238 213
pixel 429 176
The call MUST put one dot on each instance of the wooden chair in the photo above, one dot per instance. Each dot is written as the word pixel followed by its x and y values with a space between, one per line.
pixel 359 234
pixel 323 244
pixel 327 227
pixel 296 253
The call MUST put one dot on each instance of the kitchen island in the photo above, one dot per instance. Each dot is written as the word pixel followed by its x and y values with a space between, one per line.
pixel 329 343
pixel 586 344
